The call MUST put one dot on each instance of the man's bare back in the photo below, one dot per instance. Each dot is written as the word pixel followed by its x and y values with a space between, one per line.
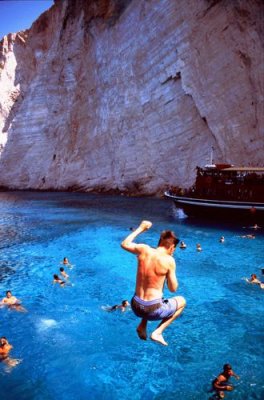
pixel 154 266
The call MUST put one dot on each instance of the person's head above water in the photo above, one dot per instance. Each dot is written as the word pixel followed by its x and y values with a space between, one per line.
pixel 125 303
pixel 61 269
pixel 55 276
pixel 8 294
pixel 227 369
pixel 3 341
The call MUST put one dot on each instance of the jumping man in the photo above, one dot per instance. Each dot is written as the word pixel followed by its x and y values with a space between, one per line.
pixel 155 266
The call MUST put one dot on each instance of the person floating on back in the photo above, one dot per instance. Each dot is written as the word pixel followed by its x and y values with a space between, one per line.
pixel 221 384
pixel 155 267
pixel 12 302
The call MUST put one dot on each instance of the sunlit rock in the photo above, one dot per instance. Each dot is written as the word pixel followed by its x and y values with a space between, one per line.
pixel 127 95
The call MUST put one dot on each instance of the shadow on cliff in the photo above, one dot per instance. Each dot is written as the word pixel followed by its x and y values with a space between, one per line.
pixel 107 10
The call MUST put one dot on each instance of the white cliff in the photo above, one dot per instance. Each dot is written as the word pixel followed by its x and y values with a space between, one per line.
pixel 130 95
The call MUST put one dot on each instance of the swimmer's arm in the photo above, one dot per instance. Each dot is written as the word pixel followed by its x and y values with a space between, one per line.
pixel 172 281
pixel 235 375
pixel 128 243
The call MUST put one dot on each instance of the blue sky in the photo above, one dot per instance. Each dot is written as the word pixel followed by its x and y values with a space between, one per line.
pixel 17 15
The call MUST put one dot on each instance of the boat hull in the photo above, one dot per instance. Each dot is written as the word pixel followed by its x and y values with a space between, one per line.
pixel 252 211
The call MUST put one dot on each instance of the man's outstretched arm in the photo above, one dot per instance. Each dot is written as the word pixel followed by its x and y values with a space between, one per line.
pixel 128 243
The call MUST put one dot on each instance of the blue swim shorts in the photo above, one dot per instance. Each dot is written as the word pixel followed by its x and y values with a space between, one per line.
pixel 154 310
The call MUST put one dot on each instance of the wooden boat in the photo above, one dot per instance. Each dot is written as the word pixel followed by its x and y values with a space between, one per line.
pixel 222 189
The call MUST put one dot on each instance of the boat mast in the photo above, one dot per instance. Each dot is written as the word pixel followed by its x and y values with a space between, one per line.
pixel 212 155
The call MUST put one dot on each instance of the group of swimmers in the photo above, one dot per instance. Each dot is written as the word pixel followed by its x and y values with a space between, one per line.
pixel 155 268
pixel 63 278
pixel 253 278
pixel 198 245
pixel 13 303
pixel 183 246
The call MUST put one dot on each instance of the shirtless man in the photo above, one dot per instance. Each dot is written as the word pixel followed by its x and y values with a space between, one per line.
pixel 10 299
pixel 12 302
pixel 155 267
pixel 221 384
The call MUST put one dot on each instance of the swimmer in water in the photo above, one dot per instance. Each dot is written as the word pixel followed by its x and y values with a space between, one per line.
pixel 249 236
pixel 122 307
pixel 198 247
pixel 254 280
pixel 182 245
pixel 63 273
pixel 222 239
pixel 5 348
pixel 56 279
pixel 12 302
pixel 66 262
pixel 256 226
pixel 221 384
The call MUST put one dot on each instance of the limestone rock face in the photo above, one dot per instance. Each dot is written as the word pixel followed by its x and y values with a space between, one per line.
pixel 131 95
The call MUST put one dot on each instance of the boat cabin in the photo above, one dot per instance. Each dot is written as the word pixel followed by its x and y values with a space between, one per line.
pixel 226 182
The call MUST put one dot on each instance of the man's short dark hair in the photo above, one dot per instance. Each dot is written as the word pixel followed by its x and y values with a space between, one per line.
pixel 167 239
pixel 227 367
pixel 61 269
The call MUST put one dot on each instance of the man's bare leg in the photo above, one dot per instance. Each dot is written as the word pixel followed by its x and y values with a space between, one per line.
pixel 142 329
pixel 157 334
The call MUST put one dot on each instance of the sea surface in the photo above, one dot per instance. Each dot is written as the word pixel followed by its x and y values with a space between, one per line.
pixel 72 349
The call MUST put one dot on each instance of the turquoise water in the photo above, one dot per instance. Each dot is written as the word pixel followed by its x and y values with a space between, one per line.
pixel 72 349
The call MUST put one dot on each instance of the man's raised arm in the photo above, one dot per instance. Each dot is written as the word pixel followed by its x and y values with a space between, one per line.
pixel 128 243
pixel 172 281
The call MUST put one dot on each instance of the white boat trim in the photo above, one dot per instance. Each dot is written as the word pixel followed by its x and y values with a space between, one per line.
pixel 216 203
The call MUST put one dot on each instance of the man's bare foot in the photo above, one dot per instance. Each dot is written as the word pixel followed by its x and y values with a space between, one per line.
pixel 142 334
pixel 157 337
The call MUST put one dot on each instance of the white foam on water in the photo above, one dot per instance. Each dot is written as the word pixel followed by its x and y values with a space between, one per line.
pixel 178 213
pixel 45 324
